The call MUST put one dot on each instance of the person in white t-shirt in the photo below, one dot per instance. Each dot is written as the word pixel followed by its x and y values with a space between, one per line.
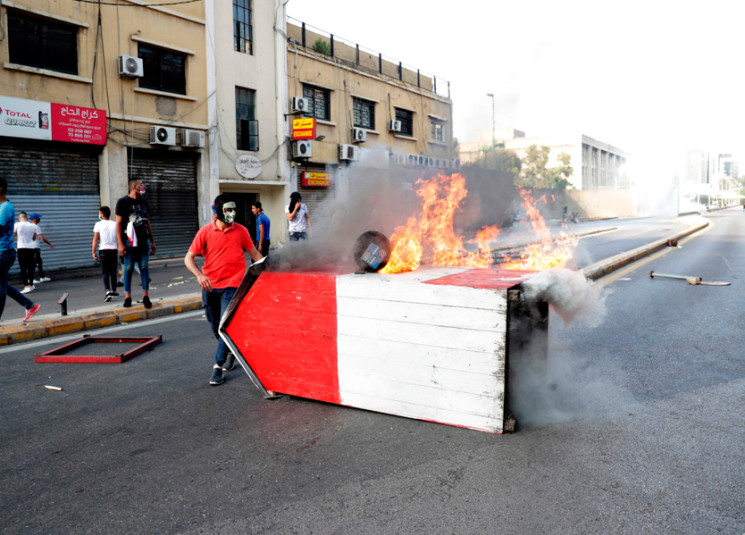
pixel 38 262
pixel 299 220
pixel 25 233
pixel 104 238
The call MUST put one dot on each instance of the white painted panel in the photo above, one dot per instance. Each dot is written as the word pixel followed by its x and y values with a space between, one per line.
pixel 415 333
pixel 402 289
pixel 442 315
pixel 406 373
pixel 387 353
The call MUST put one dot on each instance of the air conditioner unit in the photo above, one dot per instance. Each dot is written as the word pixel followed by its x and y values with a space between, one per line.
pixel 192 138
pixel 301 149
pixel 394 126
pixel 300 104
pixel 162 135
pixel 131 67
pixel 359 135
pixel 348 152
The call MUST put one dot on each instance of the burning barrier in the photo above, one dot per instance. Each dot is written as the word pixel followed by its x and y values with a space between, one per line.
pixel 428 331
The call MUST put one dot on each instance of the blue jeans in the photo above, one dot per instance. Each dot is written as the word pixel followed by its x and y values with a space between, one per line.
pixel 141 256
pixel 215 303
pixel 297 236
pixel 7 258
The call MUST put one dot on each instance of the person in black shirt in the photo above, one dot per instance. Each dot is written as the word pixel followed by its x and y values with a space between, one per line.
pixel 135 238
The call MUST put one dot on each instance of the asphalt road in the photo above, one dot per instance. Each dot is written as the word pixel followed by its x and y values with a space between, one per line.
pixel 640 432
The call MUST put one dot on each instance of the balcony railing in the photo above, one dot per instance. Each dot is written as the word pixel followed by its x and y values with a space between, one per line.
pixel 321 42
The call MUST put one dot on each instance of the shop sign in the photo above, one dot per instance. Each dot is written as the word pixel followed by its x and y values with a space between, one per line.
pixel 248 166
pixel 33 119
pixel 304 128
pixel 315 180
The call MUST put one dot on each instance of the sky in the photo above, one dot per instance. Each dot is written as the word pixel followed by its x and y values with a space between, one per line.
pixel 653 78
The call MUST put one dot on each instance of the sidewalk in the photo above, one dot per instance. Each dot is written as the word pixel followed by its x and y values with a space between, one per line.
pixel 174 290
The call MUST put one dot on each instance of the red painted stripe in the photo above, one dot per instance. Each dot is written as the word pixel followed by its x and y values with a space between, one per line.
pixel 285 328
pixel 484 278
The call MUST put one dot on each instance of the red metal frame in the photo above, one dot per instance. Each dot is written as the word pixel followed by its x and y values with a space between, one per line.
pixel 56 354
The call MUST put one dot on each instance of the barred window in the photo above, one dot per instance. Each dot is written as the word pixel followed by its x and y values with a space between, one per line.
pixel 436 130
pixel 320 102
pixel 42 43
pixel 242 28
pixel 407 121
pixel 247 127
pixel 164 70
pixel 364 113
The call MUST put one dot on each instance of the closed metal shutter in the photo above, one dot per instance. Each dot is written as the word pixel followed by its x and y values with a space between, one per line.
pixel 171 192
pixel 60 182
pixel 318 200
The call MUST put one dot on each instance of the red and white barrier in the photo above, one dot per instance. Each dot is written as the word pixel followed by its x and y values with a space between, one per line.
pixel 430 344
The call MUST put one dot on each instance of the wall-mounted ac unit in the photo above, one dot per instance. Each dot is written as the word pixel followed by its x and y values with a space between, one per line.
pixel 192 138
pixel 348 152
pixel 162 135
pixel 301 149
pixel 300 104
pixel 394 126
pixel 131 67
pixel 359 135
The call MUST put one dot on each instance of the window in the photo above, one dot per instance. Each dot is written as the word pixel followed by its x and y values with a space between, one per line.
pixel 320 102
pixel 407 121
pixel 165 70
pixel 364 113
pixel 242 29
pixel 247 127
pixel 42 43
pixel 436 130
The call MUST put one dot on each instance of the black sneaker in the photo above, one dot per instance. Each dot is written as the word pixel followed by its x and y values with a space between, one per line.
pixel 108 297
pixel 146 302
pixel 115 294
pixel 229 363
pixel 217 377
pixel 127 302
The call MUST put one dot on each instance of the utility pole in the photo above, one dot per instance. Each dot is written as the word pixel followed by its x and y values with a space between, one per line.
pixel 493 140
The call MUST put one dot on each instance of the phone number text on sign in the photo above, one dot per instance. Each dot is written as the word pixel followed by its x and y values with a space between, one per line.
pixel 78 125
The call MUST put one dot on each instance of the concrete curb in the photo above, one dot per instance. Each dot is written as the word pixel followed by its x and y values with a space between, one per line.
pixel 603 267
pixel 17 333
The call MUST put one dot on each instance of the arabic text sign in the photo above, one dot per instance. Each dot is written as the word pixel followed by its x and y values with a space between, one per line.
pixel 304 128
pixel 318 180
pixel 78 125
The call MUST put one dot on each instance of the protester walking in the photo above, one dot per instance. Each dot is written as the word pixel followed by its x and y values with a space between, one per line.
pixel 135 239
pixel 8 255
pixel 25 234
pixel 36 246
pixel 222 244
pixel 262 228
pixel 104 238
pixel 299 220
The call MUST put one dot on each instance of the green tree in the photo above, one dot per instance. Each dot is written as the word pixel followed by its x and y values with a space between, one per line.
pixel 322 47
pixel 535 172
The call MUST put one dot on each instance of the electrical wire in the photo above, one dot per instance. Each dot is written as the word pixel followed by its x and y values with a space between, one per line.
pixel 178 2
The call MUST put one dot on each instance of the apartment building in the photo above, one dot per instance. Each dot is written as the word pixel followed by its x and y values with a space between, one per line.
pixel 92 95
pixel 352 107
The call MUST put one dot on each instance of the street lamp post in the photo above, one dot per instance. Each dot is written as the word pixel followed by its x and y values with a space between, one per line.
pixel 493 140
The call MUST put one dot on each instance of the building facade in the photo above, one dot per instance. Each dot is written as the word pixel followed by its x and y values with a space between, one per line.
pixel 350 107
pixel 92 96
pixel 247 85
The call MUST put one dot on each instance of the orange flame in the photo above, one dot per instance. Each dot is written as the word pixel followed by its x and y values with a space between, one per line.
pixel 548 252
pixel 431 233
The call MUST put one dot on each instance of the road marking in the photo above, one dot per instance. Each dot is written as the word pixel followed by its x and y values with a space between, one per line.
pixel 97 332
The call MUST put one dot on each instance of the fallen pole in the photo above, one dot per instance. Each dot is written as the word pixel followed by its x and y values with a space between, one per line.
pixel 695 281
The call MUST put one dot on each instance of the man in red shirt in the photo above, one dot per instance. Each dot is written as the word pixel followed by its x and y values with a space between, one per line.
pixel 222 243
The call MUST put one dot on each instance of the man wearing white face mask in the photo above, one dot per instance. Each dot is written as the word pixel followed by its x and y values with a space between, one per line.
pixel 134 236
pixel 222 242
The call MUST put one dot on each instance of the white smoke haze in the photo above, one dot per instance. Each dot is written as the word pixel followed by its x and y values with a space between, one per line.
pixel 570 294
pixel 552 385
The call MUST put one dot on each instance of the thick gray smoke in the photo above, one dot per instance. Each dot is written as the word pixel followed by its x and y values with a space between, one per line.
pixel 372 195
pixel 552 385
